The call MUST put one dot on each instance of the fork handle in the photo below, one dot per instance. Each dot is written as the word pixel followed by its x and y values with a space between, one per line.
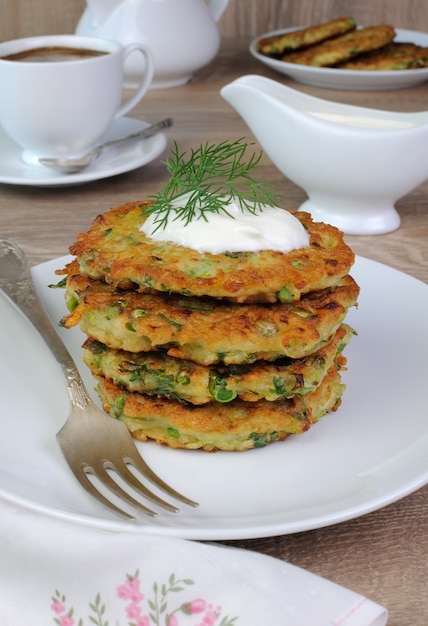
pixel 16 282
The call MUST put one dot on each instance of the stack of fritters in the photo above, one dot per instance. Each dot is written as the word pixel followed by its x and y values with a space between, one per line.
pixel 228 351
pixel 338 43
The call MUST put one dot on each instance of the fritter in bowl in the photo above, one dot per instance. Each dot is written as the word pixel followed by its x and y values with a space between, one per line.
pixel 158 374
pixel 238 425
pixel 115 250
pixel 395 56
pixel 340 49
pixel 205 330
pixel 276 45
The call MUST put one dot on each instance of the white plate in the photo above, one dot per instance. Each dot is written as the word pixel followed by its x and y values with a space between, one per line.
pixel 371 452
pixel 348 79
pixel 112 161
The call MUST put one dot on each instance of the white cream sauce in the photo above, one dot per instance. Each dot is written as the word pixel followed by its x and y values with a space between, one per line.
pixel 362 121
pixel 272 228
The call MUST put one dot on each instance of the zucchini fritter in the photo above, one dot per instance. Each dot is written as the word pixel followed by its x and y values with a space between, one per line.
pixel 340 49
pixel 276 45
pixel 237 425
pixel 115 250
pixel 395 56
pixel 205 330
pixel 157 374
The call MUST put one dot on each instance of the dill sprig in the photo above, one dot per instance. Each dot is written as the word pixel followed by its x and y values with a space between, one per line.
pixel 210 177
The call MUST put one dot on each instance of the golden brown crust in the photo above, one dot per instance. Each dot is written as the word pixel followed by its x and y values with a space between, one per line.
pixel 276 45
pixel 115 250
pixel 206 330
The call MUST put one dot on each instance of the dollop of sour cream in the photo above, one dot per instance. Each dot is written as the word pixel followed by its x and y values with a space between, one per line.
pixel 272 228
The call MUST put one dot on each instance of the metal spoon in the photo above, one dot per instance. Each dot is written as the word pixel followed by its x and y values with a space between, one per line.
pixel 71 165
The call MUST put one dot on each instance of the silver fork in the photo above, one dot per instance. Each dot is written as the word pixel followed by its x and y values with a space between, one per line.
pixel 91 441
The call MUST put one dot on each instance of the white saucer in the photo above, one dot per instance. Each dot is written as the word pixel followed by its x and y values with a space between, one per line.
pixel 113 161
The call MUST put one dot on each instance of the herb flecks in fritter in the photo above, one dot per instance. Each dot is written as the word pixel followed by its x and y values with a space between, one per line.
pixel 157 374
pixel 208 331
pixel 235 426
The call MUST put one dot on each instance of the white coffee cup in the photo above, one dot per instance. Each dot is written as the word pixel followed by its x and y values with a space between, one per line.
pixel 58 106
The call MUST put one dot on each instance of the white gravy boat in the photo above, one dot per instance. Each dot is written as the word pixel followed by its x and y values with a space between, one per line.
pixel 354 163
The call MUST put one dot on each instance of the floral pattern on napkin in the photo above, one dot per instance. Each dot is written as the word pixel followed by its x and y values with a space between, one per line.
pixel 159 606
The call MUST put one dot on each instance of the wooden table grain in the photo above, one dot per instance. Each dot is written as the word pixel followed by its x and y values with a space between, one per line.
pixel 382 555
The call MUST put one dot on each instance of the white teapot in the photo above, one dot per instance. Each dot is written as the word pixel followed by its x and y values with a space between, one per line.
pixel 181 34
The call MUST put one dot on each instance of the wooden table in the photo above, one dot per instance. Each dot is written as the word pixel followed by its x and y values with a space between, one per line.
pixel 382 555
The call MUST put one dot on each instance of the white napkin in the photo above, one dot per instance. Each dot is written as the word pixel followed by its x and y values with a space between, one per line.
pixel 58 572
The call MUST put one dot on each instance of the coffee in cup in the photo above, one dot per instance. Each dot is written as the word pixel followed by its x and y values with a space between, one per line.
pixel 60 93
pixel 52 54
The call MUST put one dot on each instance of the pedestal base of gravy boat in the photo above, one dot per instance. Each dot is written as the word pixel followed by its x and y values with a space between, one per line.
pixel 353 217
